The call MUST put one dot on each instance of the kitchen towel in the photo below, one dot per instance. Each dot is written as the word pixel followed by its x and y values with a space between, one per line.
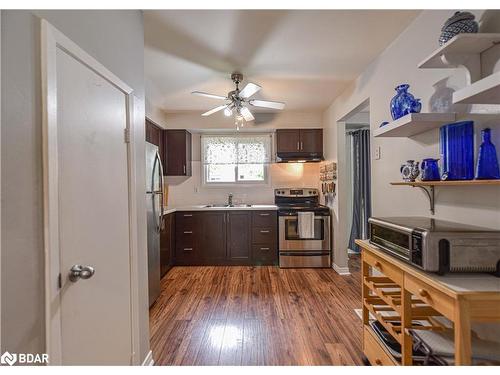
pixel 306 224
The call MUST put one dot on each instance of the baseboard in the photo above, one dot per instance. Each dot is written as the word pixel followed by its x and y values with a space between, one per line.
pixel 344 271
pixel 148 361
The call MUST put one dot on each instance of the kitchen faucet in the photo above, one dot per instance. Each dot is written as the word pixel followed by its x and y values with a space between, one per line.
pixel 230 200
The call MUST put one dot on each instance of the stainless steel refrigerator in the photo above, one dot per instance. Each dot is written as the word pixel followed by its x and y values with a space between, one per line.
pixel 154 208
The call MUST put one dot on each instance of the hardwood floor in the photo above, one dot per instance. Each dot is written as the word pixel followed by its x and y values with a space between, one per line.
pixel 257 316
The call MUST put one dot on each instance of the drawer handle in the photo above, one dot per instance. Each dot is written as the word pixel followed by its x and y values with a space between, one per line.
pixel 264 231
pixel 264 248
pixel 423 293
pixel 378 264
pixel 188 249
pixel 188 232
pixel 264 214
pixel 188 215
pixel 378 361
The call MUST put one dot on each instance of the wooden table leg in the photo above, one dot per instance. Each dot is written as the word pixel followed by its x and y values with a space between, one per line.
pixel 462 327
pixel 406 322
pixel 365 272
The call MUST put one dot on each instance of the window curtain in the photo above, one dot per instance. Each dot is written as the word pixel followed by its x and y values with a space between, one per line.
pixel 241 149
pixel 361 209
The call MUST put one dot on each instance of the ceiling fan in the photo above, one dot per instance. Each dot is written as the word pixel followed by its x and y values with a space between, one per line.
pixel 237 100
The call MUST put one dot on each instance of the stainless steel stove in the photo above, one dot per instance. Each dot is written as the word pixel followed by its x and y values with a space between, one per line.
pixel 296 251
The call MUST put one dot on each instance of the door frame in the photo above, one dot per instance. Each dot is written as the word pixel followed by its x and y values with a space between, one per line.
pixel 51 40
pixel 341 239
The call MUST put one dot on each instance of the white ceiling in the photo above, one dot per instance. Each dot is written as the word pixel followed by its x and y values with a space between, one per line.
pixel 303 58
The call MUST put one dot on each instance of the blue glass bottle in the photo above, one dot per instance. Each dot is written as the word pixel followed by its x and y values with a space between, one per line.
pixel 487 161
pixel 457 150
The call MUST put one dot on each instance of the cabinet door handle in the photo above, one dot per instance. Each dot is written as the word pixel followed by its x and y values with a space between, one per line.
pixel 184 168
pixel 264 248
pixel 188 215
pixel 264 214
pixel 298 145
pixel 188 232
pixel 378 361
pixel 301 145
pixel 264 231
pixel 188 249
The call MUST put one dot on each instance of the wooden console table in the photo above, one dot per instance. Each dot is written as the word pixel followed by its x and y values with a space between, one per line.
pixel 409 294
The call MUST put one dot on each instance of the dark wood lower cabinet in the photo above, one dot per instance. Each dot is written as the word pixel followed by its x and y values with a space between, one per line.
pixel 239 236
pixel 213 237
pixel 225 238
pixel 187 238
pixel 167 244
pixel 264 238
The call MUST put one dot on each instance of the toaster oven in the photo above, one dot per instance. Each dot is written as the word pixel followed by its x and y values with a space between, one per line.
pixel 437 245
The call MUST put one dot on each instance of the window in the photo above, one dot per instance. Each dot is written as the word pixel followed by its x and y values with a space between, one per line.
pixel 235 159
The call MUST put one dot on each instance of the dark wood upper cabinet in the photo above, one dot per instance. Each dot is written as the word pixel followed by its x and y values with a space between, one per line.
pixel 298 141
pixel 288 140
pixel 239 235
pixel 155 135
pixel 311 140
pixel 178 153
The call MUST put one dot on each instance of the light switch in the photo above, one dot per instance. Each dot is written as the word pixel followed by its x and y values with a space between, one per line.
pixel 377 153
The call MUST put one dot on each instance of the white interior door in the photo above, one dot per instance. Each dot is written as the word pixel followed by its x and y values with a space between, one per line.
pixel 88 222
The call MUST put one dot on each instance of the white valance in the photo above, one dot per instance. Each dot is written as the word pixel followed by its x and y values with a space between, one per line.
pixel 236 149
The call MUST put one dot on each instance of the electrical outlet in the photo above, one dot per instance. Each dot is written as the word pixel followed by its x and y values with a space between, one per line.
pixel 377 153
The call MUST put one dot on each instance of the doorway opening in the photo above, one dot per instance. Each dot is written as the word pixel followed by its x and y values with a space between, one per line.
pixel 357 175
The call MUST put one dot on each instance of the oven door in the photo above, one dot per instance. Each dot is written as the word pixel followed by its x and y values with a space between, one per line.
pixel 289 239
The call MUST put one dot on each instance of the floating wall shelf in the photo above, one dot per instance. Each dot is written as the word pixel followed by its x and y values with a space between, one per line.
pixel 484 91
pixel 461 44
pixel 413 124
pixel 429 186
pixel 463 50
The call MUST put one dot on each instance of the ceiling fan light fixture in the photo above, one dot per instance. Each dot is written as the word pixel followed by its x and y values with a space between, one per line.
pixel 228 112
pixel 237 101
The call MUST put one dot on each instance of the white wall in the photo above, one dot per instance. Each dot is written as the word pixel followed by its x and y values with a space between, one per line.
pixel 114 38
pixel 186 191
pixel 398 64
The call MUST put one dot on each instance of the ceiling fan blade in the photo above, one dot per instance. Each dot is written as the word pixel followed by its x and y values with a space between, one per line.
pixel 267 104
pixel 213 96
pixel 247 115
pixel 213 110
pixel 249 90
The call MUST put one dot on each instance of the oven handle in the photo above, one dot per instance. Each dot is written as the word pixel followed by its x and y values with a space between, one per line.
pixel 322 217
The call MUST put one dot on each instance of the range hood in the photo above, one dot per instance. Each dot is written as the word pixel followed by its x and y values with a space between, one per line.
pixel 299 157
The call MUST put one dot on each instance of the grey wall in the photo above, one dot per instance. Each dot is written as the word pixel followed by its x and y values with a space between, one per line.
pixel 115 39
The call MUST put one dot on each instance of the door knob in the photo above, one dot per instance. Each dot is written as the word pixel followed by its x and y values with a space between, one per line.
pixel 80 272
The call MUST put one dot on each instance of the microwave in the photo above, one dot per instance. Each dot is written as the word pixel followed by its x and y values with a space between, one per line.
pixel 437 245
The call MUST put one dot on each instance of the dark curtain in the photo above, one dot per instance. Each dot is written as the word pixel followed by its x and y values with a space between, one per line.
pixel 361 186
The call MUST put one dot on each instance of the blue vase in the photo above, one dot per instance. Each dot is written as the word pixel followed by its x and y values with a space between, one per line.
pixel 404 102
pixel 430 170
pixel 487 161
pixel 456 143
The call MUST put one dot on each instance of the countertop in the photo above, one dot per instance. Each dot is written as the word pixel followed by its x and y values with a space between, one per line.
pixel 204 207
